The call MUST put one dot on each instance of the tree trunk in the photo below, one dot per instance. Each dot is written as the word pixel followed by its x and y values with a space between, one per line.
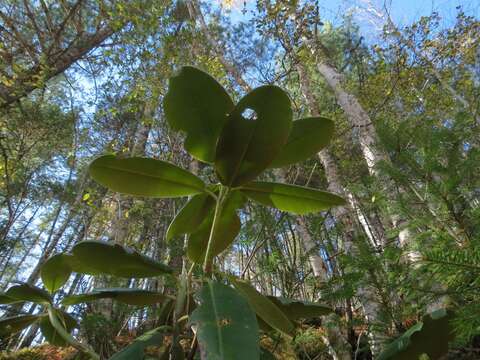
pixel 341 213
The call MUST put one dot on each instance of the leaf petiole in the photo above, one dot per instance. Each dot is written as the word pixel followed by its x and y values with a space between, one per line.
pixel 60 329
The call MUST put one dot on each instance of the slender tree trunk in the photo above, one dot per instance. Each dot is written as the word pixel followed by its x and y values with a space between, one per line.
pixel 357 116
pixel 367 298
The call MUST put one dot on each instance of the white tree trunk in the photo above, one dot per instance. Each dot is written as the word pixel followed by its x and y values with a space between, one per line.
pixel 357 116
pixel 366 296
pixel 368 140
pixel 315 260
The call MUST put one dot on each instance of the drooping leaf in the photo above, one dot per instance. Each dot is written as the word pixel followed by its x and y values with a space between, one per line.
pixel 141 176
pixel 296 199
pixel 262 325
pixel 14 324
pixel 4 299
pixel 429 336
pixel 227 229
pixel 98 257
pixel 226 325
pixel 198 105
pixel 49 332
pixel 190 217
pixel 55 272
pixel 264 307
pixel 136 350
pixel 255 132
pixel 307 138
pixel 26 292
pixel 127 296
pixel 297 309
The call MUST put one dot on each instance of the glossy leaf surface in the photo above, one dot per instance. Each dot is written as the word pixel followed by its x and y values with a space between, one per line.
pixel 253 136
pixel 14 324
pixel 307 138
pixel 264 307
pixel 429 336
pixel 127 296
pixel 141 176
pixel 296 309
pixel 197 104
pixel 292 198
pixel 97 257
pixel 226 325
pixel 227 229
pixel 136 350
pixel 55 272
pixel 26 292
pixel 51 335
pixel 191 216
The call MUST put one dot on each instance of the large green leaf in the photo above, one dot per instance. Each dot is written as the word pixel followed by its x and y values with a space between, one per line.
pixel 5 299
pixel 49 332
pixel 141 176
pixel 296 199
pixel 264 307
pixel 429 336
pixel 191 216
pixel 246 147
pixel 14 324
pixel 226 325
pixel 297 309
pixel 307 138
pixel 97 257
pixel 227 229
pixel 55 272
pixel 127 296
pixel 26 292
pixel 136 350
pixel 197 104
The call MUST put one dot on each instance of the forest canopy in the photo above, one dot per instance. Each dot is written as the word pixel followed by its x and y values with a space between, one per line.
pixel 238 180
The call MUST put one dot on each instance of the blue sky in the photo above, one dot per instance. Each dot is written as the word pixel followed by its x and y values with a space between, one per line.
pixel 403 12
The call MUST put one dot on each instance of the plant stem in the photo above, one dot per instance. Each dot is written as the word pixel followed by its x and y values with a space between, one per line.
pixel 60 329
pixel 207 264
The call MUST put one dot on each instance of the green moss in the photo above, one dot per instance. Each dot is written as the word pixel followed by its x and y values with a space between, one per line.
pixel 43 352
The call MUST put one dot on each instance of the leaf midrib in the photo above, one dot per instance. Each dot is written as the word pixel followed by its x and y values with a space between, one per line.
pixel 216 314
pixel 244 151
pixel 110 167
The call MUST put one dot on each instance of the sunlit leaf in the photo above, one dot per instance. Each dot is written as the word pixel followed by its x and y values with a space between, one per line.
pixel 264 307
pixel 253 136
pixel 296 199
pixel 136 350
pixel 430 336
pixel 144 177
pixel 197 104
pixel 55 272
pixel 97 257
pixel 226 325
pixel 307 138
pixel 124 295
